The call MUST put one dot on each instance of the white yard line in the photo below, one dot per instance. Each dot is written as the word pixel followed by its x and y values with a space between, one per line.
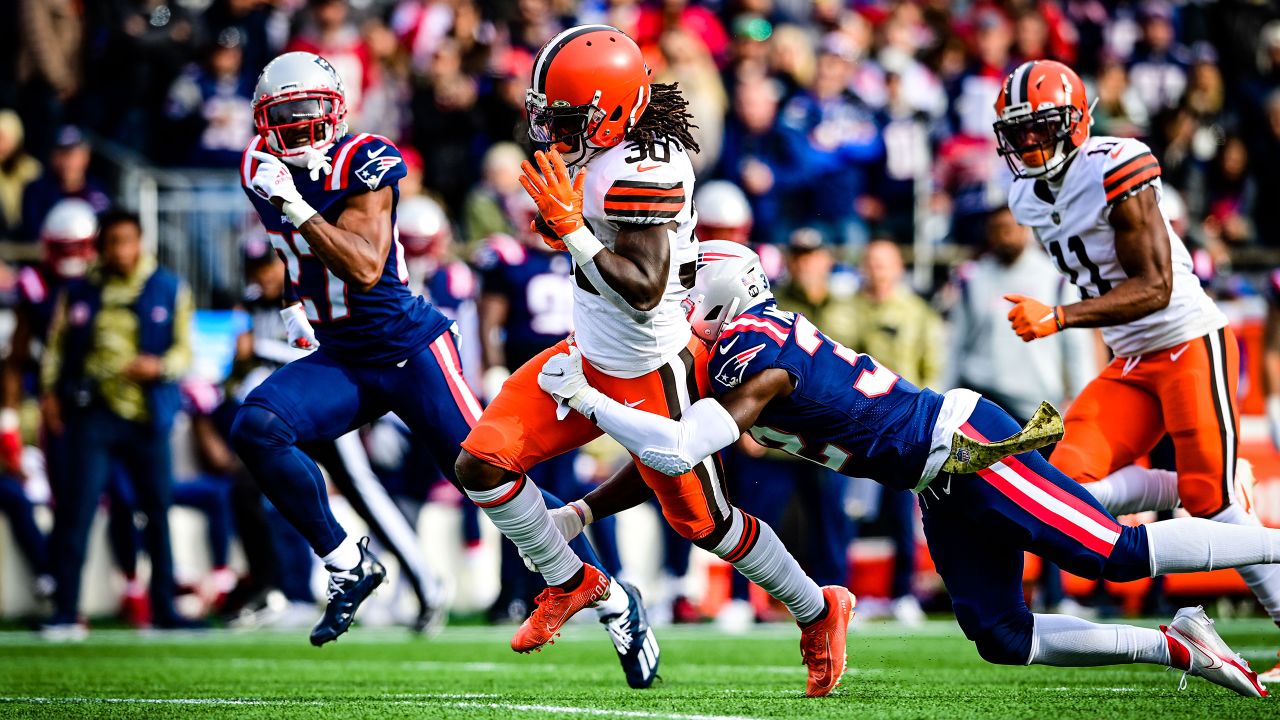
pixel 593 712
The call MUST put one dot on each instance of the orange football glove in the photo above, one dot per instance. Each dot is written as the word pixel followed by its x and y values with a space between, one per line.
pixel 540 226
pixel 559 199
pixel 1033 319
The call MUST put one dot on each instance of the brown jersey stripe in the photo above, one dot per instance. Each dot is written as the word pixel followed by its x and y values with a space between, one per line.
pixel 612 199
pixel 1127 166
pixel 1132 183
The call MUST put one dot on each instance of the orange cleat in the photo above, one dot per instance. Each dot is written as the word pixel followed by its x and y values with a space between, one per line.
pixel 823 643
pixel 555 607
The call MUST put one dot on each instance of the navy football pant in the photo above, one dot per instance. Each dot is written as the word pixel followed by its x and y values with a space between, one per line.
pixel 318 398
pixel 978 527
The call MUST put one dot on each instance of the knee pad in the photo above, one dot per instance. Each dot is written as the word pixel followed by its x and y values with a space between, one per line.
pixel 1008 642
pixel 1131 557
pixel 256 428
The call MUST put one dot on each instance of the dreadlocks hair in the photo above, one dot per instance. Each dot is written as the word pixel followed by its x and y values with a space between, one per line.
pixel 666 117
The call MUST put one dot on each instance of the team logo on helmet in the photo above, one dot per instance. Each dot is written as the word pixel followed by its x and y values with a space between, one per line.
pixel 734 368
pixel 372 172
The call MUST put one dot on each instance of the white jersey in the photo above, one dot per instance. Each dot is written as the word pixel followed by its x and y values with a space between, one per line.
pixel 627 187
pixel 1071 221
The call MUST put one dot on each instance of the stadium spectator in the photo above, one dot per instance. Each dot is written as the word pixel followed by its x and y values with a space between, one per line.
pixel 659 18
pixel 66 176
pixel 120 340
pixel 50 68
pixel 497 205
pixel 1232 195
pixel 448 125
pixel 892 323
pixel 209 106
pixel 762 157
pixel 690 65
pixel 257 23
pixel 845 145
pixel 1158 69
pixel 327 30
pixel 17 171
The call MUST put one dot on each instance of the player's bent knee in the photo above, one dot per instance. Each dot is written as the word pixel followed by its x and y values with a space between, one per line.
pixel 476 474
pixel 256 428
pixel 1008 642
pixel 1131 557
pixel 1073 462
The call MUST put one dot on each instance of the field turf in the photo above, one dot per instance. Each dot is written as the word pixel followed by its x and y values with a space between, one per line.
pixel 469 672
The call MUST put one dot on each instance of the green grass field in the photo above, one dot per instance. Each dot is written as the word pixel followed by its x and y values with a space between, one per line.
pixel 469 672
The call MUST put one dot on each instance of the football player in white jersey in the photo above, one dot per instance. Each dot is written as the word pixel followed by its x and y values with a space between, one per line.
pixel 1093 203
pixel 625 216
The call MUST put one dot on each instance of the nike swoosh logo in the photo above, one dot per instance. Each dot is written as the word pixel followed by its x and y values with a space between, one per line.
pixel 724 349
pixel 558 201
pixel 1116 153
pixel 402 363
pixel 558 373
pixel 633 404
pixel 1216 662
pixel 375 153
pixel 1177 354
pixel 646 168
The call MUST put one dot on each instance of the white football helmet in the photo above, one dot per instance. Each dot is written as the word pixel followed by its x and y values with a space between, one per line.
pixel 299 106
pixel 69 237
pixel 723 212
pixel 730 281
pixel 424 228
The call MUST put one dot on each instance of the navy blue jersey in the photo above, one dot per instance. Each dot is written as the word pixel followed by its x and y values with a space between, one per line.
pixel 450 287
pixel 382 325
pixel 539 292
pixel 847 411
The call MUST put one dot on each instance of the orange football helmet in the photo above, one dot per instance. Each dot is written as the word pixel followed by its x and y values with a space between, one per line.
pixel 590 85
pixel 1042 118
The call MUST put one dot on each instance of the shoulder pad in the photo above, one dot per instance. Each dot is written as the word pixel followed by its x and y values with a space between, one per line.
pixel 645 192
pixel 365 161
pixel 737 356
pixel 1127 167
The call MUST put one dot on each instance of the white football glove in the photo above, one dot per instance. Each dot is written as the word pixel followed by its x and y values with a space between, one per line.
pixel 301 335
pixel 273 179
pixel 562 378
pixel 567 521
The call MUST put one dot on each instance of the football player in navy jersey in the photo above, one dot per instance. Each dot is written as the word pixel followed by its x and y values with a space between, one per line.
pixel 327 199
pixel 986 495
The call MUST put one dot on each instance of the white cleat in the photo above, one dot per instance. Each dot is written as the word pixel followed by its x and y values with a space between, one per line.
pixel 1211 658
pixel 1270 676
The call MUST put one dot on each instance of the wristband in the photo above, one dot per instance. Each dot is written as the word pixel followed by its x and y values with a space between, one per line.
pixel 583 245
pixel 584 401
pixel 298 211
pixel 1060 317
pixel 584 511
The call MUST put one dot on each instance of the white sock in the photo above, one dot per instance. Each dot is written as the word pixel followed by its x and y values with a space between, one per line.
pixel 1133 489
pixel 1067 641
pixel 519 512
pixel 1194 544
pixel 1263 580
pixel 755 550
pixel 344 557
pixel 615 604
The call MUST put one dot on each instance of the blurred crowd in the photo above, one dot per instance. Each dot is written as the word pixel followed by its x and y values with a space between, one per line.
pixel 835 136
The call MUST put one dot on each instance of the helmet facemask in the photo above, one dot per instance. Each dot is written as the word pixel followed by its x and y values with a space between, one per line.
pixel 568 128
pixel 1038 144
pixel 297 125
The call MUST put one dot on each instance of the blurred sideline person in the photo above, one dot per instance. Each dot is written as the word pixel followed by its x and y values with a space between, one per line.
pixel 989 359
pixel 119 340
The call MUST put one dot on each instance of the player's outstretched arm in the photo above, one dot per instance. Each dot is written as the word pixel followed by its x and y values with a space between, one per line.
pixel 1142 247
pixel 669 446
pixel 354 248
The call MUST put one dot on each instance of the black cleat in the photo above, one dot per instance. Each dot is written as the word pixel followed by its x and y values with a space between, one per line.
pixel 634 640
pixel 347 589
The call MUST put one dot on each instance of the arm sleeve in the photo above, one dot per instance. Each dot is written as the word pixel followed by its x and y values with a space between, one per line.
pixel 178 357
pixel 669 446
pixel 51 363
